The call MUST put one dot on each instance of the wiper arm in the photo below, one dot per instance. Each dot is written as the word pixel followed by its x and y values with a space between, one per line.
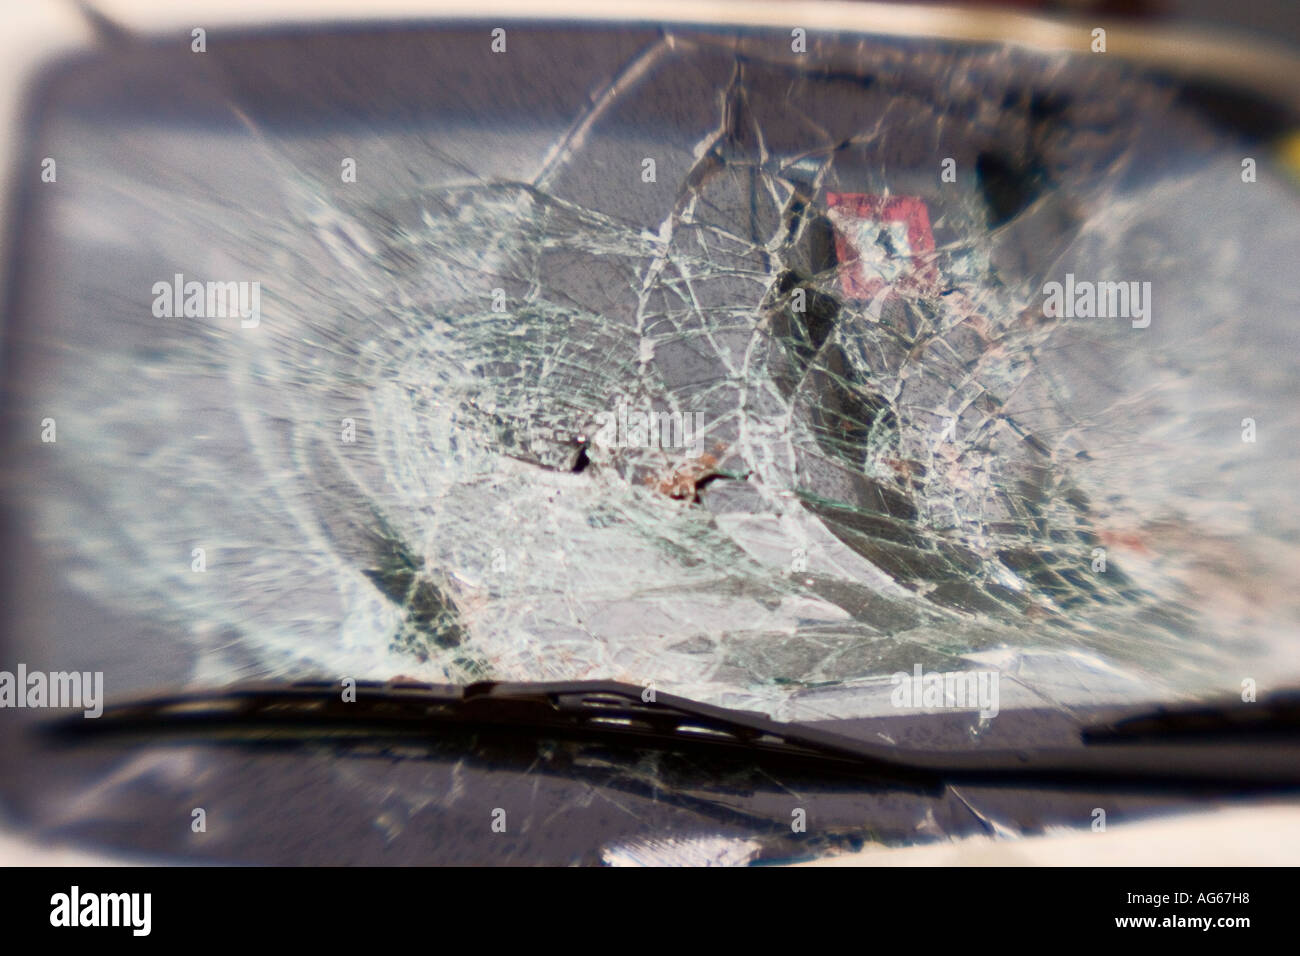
pixel 613 712
pixel 1277 716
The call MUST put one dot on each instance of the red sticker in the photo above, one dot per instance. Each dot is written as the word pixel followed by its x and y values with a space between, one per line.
pixel 881 242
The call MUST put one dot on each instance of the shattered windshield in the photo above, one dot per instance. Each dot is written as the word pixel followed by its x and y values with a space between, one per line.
pixel 683 358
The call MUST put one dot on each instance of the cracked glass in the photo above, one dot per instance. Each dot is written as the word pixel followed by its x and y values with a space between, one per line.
pixel 669 356
pixel 433 454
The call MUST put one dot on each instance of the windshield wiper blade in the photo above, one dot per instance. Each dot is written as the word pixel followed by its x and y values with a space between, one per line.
pixel 614 712
pixel 596 710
